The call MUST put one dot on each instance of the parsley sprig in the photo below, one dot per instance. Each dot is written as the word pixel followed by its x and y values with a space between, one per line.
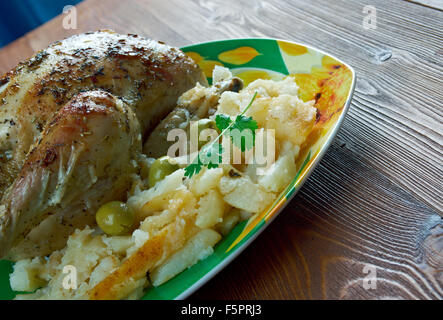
pixel 211 154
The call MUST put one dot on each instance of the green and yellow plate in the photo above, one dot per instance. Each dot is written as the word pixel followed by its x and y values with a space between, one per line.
pixel 321 77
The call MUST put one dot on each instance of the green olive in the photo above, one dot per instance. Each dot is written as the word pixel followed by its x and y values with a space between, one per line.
pixel 160 169
pixel 115 218
pixel 202 125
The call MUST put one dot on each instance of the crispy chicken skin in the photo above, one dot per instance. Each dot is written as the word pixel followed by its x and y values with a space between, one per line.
pixel 83 160
pixel 72 122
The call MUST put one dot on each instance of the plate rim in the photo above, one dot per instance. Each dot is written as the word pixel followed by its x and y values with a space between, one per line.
pixel 331 136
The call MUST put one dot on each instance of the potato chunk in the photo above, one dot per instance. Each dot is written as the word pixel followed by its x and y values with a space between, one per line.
pixel 26 275
pixel 199 247
pixel 169 184
pixel 292 118
pixel 243 194
pixel 210 211
pixel 280 174
pixel 206 180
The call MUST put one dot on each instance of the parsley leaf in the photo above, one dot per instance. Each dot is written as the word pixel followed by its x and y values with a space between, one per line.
pixel 222 122
pixel 239 137
pixel 236 129
pixel 193 168
pixel 211 154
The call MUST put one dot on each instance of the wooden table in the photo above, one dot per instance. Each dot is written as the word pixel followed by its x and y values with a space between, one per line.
pixel 376 198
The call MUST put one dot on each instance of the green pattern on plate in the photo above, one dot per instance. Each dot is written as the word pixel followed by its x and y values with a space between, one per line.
pixel 5 290
pixel 264 48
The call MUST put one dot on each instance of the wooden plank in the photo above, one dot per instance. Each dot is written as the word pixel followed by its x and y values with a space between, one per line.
pixel 436 4
pixel 377 196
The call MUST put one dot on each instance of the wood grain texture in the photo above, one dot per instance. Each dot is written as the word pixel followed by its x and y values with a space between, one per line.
pixel 435 4
pixel 376 198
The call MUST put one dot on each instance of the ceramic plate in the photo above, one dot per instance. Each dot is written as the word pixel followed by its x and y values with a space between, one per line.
pixel 321 77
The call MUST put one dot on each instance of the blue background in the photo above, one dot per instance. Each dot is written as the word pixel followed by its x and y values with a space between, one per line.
pixel 18 17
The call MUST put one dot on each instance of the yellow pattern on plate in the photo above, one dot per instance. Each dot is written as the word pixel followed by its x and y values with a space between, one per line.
pixel 238 56
pixel 207 66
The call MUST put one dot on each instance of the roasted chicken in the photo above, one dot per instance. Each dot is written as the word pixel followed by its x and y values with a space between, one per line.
pixel 73 120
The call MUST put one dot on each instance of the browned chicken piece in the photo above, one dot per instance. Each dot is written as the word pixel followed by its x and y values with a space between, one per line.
pixel 83 159
pixel 195 104
pixel 61 159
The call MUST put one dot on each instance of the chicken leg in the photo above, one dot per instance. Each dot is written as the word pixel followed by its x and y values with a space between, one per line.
pixel 84 159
